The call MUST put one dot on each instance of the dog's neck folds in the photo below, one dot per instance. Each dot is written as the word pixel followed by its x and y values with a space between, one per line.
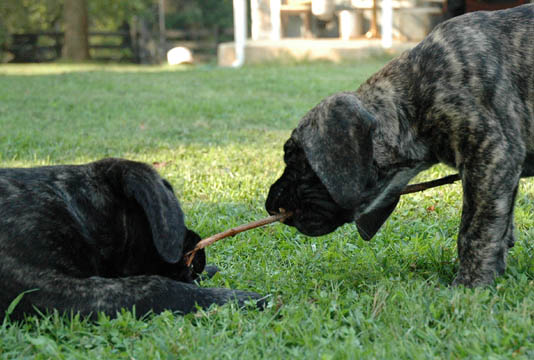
pixel 395 143
pixel 398 154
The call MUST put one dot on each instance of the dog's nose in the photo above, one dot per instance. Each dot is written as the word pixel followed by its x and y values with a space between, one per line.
pixel 271 203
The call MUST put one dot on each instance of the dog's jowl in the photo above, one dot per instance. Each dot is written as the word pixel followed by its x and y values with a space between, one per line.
pixel 97 237
pixel 464 96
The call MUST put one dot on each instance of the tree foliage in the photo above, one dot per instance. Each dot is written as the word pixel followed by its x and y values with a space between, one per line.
pixel 195 14
pixel 110 15
pixel 22 16
pixel 27 15
pixel 36 15
pixel 30 15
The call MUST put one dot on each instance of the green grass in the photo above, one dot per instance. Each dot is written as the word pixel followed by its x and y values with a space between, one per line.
pixel 220 132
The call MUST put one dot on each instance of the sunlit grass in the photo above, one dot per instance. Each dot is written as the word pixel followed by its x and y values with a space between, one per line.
pixel 220 133
pixel 59 68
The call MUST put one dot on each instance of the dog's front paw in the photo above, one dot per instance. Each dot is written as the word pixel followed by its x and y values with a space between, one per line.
pixel 210 271
pixel 461 280
pixel 471 281
pixel 482 272
pixel 248 298
pixel 243 299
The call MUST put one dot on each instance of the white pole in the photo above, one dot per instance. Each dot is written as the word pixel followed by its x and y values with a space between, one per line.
pixel 387 23
pixel 276 24
pixel 240 31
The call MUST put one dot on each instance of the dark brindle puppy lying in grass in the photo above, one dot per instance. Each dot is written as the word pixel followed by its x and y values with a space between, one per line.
pixel 464 97
pixel 98 237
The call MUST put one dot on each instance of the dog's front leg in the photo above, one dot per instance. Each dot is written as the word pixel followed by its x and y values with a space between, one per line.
pixel 487 228
pixel 147 293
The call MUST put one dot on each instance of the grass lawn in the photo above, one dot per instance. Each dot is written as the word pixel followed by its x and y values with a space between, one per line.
pixel 219 134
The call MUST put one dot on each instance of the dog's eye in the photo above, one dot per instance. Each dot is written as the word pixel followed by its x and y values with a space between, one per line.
pixel 294 157
pixel 289 144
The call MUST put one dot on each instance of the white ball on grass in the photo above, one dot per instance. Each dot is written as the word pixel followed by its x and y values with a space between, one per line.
pixel 179 55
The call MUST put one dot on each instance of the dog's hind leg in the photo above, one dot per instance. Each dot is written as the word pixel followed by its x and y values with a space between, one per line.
pixel 510 233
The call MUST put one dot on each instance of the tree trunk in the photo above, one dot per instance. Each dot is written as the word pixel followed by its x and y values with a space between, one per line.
pixel 75 16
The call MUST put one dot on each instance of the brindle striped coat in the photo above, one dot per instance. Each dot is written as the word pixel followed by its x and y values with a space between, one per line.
pixel 464 96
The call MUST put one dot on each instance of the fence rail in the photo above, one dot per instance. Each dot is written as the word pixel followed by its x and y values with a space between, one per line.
pixel 124 46
pixel 46 46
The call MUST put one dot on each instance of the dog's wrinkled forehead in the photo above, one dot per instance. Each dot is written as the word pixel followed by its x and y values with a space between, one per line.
pixel 340 114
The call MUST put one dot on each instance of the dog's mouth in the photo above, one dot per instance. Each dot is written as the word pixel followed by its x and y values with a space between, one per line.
pixel 300 191
pixel 314 211
pixel 181 271
pixel 314 222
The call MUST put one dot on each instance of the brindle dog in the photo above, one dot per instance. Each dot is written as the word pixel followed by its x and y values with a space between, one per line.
pixel 464 96
pixel 98 237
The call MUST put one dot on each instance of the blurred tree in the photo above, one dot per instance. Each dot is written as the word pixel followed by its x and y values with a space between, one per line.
pixel 17 16
pixel 195 14
pixel 23 16
pixel 76 24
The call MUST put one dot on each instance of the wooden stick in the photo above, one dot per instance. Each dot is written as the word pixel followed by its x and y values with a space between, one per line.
pixel 234 231
pixel 285 215
pixel 430 184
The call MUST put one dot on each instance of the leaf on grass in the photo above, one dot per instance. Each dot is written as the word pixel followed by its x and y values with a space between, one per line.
pixel 16 301
pixel 161 164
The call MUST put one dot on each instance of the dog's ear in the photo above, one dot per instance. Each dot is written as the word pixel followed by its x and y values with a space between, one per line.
pixel 369 223
pixel 161 208
pixel 336 137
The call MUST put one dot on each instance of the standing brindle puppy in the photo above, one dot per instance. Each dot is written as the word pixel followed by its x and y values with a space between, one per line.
pixel 98 237
pixel 464 97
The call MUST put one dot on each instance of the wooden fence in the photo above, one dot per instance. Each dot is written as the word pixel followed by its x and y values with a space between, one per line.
pixel 46 46
pixel 122 46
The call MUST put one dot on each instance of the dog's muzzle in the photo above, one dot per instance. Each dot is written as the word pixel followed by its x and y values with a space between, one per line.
pixel 315 212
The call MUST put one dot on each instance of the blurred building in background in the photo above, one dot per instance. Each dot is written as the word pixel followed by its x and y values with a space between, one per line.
pixel 143 31
pixel 339 30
